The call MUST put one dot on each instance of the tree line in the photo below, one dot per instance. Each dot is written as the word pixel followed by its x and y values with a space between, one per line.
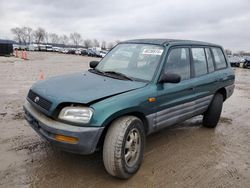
pixel 27 35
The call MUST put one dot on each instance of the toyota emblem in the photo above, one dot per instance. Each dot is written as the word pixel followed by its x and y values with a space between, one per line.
pixel 36 99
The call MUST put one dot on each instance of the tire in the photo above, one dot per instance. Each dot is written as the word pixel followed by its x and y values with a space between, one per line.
pixel 125 137
pixel 212 115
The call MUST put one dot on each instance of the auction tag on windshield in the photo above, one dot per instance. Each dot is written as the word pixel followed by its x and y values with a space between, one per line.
pixel 152 51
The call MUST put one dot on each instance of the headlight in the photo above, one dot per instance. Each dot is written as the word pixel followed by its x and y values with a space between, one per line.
pixel 76 114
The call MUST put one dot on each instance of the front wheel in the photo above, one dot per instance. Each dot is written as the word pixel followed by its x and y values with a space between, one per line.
pixel 124 146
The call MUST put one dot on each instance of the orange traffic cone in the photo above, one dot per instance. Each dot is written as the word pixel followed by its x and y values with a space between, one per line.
pixel 25 55
pixel 41 76
pixel 17 53
pixel 22 54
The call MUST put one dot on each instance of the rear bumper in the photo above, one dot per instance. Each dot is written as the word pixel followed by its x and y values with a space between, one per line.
pixel 48 128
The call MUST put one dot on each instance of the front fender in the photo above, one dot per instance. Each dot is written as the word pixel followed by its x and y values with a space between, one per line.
pixel 135 101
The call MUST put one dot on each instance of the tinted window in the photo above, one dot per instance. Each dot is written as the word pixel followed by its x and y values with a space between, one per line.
pixel 209 60
pixel 199 59
pixel 178 62
pixel 219 58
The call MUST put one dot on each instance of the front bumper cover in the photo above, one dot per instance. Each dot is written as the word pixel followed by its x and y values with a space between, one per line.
pixel 48 128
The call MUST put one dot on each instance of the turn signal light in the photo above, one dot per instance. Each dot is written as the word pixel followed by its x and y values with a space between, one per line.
pixel 151 99
pixel 69 139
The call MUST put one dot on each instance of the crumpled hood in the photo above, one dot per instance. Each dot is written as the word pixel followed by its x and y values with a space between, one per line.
pixel 82 88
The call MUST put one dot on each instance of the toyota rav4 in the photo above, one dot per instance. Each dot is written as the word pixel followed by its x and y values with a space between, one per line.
pixel 140 87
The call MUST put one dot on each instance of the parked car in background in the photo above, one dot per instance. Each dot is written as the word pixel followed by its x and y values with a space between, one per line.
pixel 56 49
pixel 33 47
pixel 84 52
pixel 103 53
pixel 234 61
pixel 121 99
pixel 61 50
pixel 71 51
pixel 91 53
pixel 78 51
pixel 97 53
pixel 246 63
pixel 49 48
pixel 96 49
pixel 65 51
pixel 42 47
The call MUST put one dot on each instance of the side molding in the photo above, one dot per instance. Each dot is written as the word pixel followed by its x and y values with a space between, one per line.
pixel 177 114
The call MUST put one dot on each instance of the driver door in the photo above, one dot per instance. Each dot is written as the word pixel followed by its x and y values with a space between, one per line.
pixel 174 99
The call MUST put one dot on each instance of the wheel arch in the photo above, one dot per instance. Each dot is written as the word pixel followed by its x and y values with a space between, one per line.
pixel 223 92
pixel 109 121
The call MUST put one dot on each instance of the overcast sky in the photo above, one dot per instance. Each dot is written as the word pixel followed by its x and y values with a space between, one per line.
pixel 225 22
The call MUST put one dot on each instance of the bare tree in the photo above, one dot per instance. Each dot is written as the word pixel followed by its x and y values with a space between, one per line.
pixel 96 43
pixel 46 37
pixel 17 32
pixel 104 45
pixel 22 35
pixel 110 45
pixel 87 43
pixel 29 34
pixel 76 38
pixel 39 35
pixel 54 38
pixel 64 39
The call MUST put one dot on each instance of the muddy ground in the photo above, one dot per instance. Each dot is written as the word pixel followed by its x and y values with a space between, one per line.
pixel 186 155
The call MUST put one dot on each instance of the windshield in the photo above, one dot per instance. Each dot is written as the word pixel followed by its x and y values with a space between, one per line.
pixel 136 61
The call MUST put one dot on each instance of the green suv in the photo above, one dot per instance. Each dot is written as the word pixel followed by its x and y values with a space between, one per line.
pixel 140 87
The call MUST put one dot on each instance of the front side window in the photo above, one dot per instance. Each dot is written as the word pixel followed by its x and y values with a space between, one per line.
pixel 219 58
pixel 136 61
pixel 199 60
pixel 178 62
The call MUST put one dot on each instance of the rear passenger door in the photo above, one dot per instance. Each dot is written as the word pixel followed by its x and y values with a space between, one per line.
pixel 208 70
pixel 203 68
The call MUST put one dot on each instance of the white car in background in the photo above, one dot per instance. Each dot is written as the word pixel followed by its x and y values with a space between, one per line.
pixel 56 49
pixel 65 51
pixel 49 48
pixel 103 53
pixel 78 51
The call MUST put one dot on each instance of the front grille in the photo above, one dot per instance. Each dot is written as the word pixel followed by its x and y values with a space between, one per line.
pixel 40 101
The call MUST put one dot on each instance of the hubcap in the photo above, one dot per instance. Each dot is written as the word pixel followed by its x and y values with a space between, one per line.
pixel 132 147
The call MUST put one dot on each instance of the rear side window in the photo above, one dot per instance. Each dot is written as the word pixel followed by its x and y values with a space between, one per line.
pixel 178 62
pixel 199 60
pixel 219 58
pixel 209 60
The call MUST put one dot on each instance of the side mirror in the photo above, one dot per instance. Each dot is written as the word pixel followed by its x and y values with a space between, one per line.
pixel 169 78
pixel 93 64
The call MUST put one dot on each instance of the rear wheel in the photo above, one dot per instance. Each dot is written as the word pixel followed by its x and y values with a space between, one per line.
pixel 124 146
pixel 212 115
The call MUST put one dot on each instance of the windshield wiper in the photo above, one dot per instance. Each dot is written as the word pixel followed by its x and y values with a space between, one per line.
pixel 97 71
pixel 109 73
pixel 118 74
